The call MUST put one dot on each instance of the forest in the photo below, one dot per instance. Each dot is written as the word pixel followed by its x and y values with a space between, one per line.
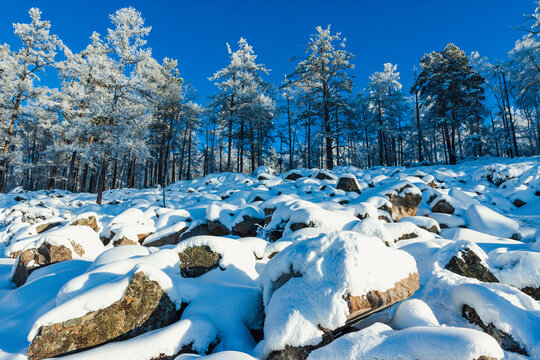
pixel 121 118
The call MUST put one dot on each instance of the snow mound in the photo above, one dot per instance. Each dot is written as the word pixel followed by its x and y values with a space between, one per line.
pixel 321 272
pixel 380 342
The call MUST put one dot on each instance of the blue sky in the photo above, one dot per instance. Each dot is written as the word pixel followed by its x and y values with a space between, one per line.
pixel 195 32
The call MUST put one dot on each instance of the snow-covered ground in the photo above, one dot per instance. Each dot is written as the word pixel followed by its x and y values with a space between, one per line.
pixel 262 265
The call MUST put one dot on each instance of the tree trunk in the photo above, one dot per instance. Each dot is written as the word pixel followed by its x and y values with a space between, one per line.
pixel 514 139
pixel 101 185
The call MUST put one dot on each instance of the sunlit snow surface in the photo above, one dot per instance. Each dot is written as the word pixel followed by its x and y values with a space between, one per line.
pixel 337 252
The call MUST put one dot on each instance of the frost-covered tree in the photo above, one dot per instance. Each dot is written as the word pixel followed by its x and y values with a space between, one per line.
pixel 19 72
pixel 451 90
pixel 325 68
pixel 110 79
pixel 244 104
pixel 389 107
pixel 166 95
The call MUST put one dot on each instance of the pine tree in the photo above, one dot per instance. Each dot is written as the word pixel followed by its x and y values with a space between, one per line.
pixel 19 70
pixel 326 67
pixel 451 88
pixel 244 103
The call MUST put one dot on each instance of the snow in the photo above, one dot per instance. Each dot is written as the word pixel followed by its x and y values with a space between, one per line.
pixel 422 221
pixel 413 312
pixel 380 342
pixel 517 268
pixel 483 219
pixel 520 320
pixel 80 235
pixel 331 266
pixel 342 250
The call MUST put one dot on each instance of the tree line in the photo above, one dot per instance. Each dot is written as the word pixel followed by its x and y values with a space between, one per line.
pixel 120 118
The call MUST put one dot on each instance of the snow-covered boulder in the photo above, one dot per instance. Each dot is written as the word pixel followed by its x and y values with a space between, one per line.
pixel 167 235
pixel 142 307
pixel 483 219
pixel 347 183
pixel 413 312
pixel 518 268
pixel 469 261
pixel 501 315
pixel 423 222
pixel 405 200
pixel 316 286
pixel 89 219
pixel 201 254
pixel 130 227
pixel 56 245
pixel 380 342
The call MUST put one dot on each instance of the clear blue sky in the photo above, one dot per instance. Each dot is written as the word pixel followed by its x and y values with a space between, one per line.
pixel 195 32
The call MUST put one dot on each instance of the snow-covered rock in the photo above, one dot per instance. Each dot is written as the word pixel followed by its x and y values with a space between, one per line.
pixel 380 342
pixel 328 282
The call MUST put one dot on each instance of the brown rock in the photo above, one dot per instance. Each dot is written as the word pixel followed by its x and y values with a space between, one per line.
pixel 32 259
pixel 197 260
pixel 519 203
pixel 280 281
pixel 47 226
pixel 374 301
pixel 470 265
pixel 124 241
pixel 89 221
pixel 127 241
pixel 348 183
pixel 144 307
pixel 505 340
pixel 404 205
pixel 248 227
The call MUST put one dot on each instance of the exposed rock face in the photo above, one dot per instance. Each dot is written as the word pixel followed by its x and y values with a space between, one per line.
pixel 144 307
pixel 293 176
pixel 519 203
pixel 532 291
pixel 468 264
pixel 442 206
pixel 125 240
pixel 198 260
pixel 359 308
pixel 195 230
pixel 404 205
pixel 293 352
pixel 170 239
pixel 47 226
pixel 505 340
pixel 248 227
pixel 217 229
pixel 322 175
pixel 90 221
pixel 46 254
pixel 373 301
pixel 348 183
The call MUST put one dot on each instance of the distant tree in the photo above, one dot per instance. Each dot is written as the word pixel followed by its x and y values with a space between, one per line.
pixel 451 89
pixel 244 103
pixel 324 71
pixel 389 107
pixel 19 70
